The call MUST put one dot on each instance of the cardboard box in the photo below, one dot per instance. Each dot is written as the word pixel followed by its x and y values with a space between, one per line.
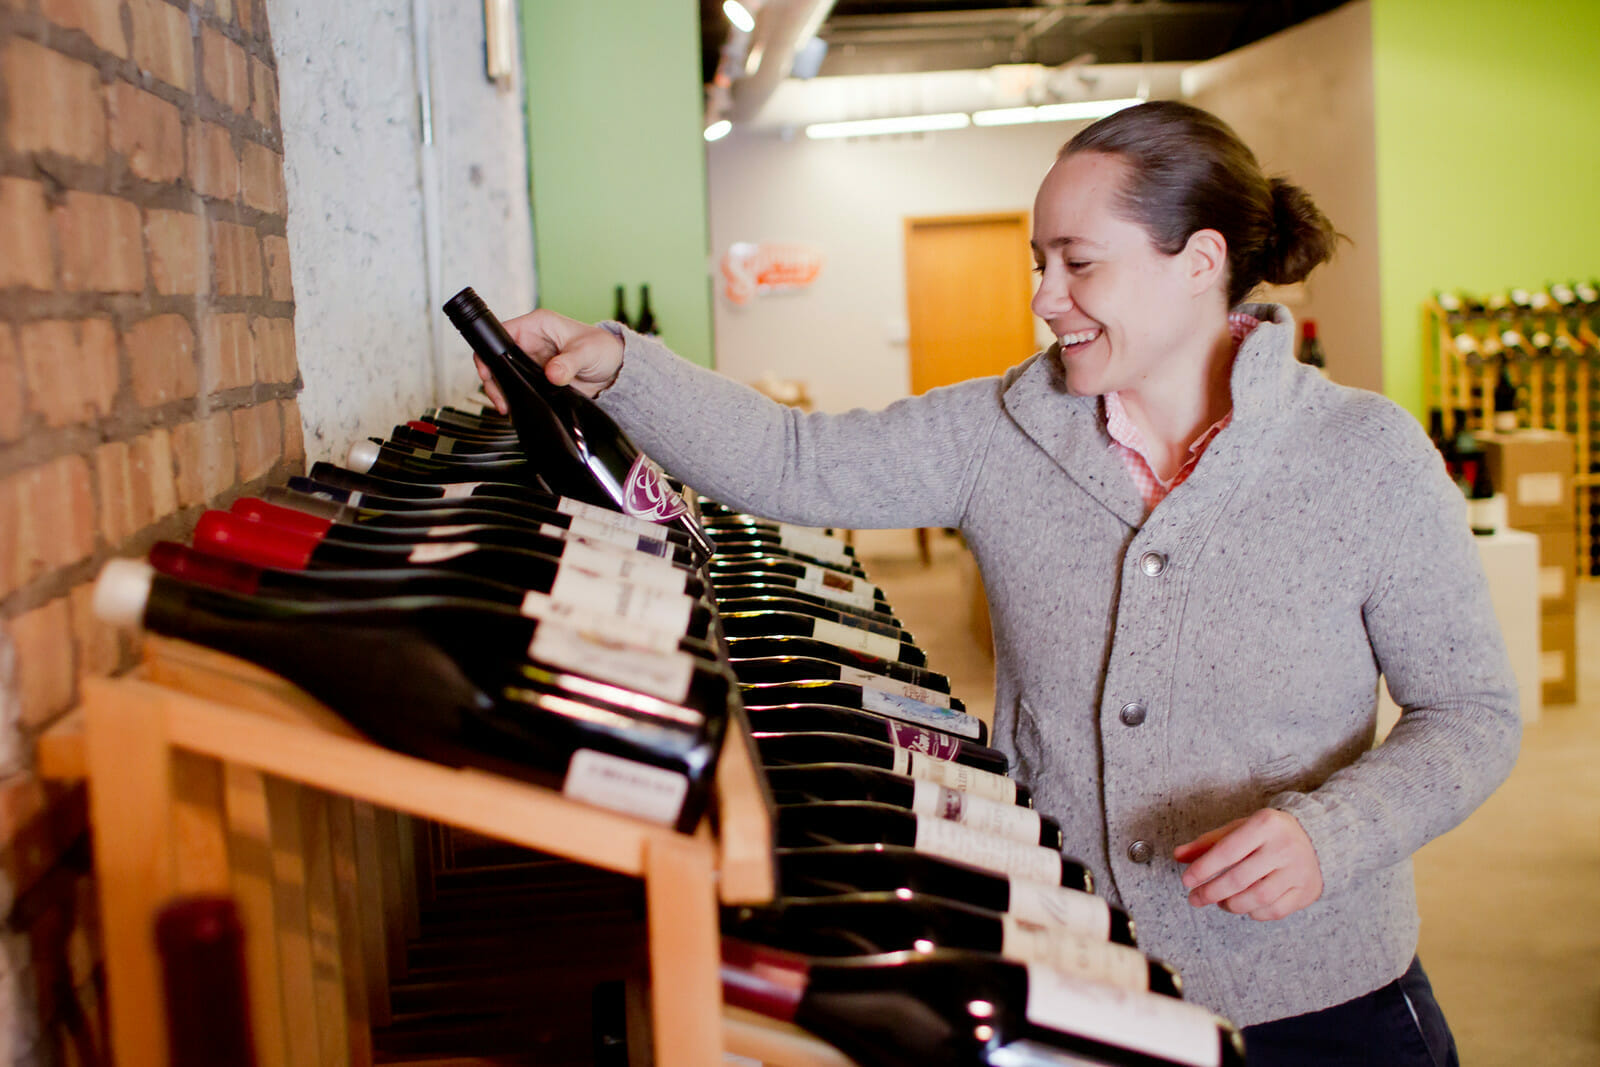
pixel 1533 468
pixel 1558 658
pixel 1558 568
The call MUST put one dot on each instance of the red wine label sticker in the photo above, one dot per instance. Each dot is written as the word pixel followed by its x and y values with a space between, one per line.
pixel 646 494
pixel 1057 906
pixel 1155 1025
pixel 637 789
pixel 916 739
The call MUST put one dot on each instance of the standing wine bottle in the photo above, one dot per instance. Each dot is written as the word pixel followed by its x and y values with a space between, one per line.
pixel 647 318
pixel 619 312
pixel 817 783
pixel 1311 353
pixel 1505 400
pixel 970 769
pixel 868 924
pixel 580 451
pixel 204 984
pixel 824 719
pixel 867 698
pixel 948 1008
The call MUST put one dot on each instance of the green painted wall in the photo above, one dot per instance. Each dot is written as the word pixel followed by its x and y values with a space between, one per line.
pixel 1488 125
pixel 617 162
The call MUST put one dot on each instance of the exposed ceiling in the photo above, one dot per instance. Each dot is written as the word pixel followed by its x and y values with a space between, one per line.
pixel 900 36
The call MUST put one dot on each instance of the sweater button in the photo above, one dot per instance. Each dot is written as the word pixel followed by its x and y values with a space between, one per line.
pixel 1133 713
pixel 1152 563
pixel 1141 852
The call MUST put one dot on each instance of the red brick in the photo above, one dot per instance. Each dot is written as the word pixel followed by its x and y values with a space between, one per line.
pixel 101 249
pixel 294 440
pixel 246 10
pixel 263 179
pixel 225 70
pixel 264 91
pixel 236 257
pixel 202 453
pixel 148 132
pixel 46 520
pixel 25 235
pixel 100 19
pixel 45 675
pixel 64 112
pixel 99 647
pixel 161 360
pixel 162 43
pixel 136 484
pixel 10 386
pixel 258 440
pixel 280 283
pixel 174 241
pixel 213 165
pixel 275 360
pixel 71 369
pixel 224 9
pixel 228 355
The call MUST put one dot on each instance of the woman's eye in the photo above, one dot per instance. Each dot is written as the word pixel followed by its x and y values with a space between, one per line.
pixel 1038 268
pixel 1077 264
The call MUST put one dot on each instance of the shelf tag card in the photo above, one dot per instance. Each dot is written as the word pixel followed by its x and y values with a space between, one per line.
pixel 1056 905
pixel 1098 961
pixel 638 789
pixel 653 608
pixel 629 567
pixel 857 676
pixel 606 627
pixel 659 674
pixel 835 633
pixel 975 813
pixel 1155 1025
pixel 940 837
pixel 986 784
pixel 899 707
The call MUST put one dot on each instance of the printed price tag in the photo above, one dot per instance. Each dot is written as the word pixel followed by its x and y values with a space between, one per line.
pixel 638 789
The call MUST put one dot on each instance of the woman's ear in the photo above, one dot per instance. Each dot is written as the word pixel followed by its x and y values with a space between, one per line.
pixel 1206 260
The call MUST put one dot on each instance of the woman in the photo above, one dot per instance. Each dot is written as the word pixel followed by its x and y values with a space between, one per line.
pixel 1199 556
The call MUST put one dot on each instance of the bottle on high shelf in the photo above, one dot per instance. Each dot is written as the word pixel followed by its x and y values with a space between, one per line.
pixel 1482 508
pixel 755 647
pixel 857 822
pixel 647 324
pixel 1437 434
pixel 620 311
pixel 950 720
pixel 813 783
pixel 413 675
pixel 1311 353
pixel 877 868
pixel 793 624
pixel 204 983
pixel 862 925
pixel 969 770
pixel 579 450
pixel 1467 451
pixel 825 719
pixel 1505 400
pixel 1468 348
pixel 948 1008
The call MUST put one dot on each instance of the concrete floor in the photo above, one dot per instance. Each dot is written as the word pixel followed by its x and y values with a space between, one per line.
pixel 1510 900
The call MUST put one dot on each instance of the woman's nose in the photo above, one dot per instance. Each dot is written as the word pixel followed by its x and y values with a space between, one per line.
pixel 1051 298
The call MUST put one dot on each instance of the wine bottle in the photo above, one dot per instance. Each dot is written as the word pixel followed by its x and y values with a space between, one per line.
pixel 849 619
pixel 619 313
pixel 731 549
pixel 801 538
pixel 949 1008
pixel 1505 401
pixel 821 782
pixel 388 461
pixel 647 318
pixel 794 624
pixel 835 869
pixel 414 690
pixel 855 822
pixel 807 668
pixel 743 648
pixel 1311 353
pixel 581 452
pixel 824 719
pixel 822 574
pixel 764 587
pixel 951 720
pixel 436 443
pixel 869 924
pixel 201 944
pixel 966 771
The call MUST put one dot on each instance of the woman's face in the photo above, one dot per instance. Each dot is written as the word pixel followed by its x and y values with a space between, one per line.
pixel 1121 308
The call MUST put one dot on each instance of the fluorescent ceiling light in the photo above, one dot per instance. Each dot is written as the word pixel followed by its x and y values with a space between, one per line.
pixel 718 130
pixel 739 15
pixel 1085 109
pixel 902 124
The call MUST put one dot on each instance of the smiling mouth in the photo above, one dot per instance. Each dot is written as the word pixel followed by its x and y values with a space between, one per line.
pixel 1078 339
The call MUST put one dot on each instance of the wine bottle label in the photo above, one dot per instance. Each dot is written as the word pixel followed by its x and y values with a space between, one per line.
pixel 440 551
pixel 459 489
pixel 629 567
pixel 899 707
pixel 611 628
pixel 453 531
pixel 638 789
pixel 975 813
pixel 609 540
pixel 660 674
pixel 353 499
pixel 985 784
pixel 445 445
pixel 1155 1025
pixel 646 494
pixel 1030 1053
pixel 1058 906
pixel 872 644
pixel 599 531
pixel 851 598
pixel 577 509
pixel 928 742
pixel 952 841
pixel 832 579
pixel 817 545
pixel 668 612
pixel 857 676
pixel 1098 961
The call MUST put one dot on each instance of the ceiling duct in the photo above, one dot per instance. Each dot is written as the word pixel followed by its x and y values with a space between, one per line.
pixel 782 28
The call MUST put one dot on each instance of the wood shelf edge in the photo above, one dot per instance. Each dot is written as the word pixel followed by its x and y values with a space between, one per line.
pixel 776 1044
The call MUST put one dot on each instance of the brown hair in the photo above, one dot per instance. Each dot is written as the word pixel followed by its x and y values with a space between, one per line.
pixel 1188 171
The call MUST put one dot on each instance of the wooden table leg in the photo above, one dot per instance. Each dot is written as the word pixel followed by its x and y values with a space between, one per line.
pixel 685 952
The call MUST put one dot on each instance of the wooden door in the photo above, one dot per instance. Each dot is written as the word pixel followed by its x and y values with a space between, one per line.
pixel 968 286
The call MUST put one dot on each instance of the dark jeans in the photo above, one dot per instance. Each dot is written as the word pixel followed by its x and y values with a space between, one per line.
pixel 1399 1025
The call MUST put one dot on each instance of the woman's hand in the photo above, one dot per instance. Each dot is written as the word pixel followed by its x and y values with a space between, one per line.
pixel 1263 866
pixel 588 358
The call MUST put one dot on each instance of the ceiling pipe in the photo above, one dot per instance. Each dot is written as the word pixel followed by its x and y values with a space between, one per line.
pixel 782 27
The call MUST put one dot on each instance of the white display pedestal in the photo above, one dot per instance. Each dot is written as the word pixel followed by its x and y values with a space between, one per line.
pixel 1511 560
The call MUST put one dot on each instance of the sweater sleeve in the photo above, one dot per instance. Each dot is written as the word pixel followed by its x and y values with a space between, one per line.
pixel 911 464
pixel 1438 644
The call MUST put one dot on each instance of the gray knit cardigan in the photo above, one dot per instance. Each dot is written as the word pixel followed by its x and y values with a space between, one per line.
pixel 1317 543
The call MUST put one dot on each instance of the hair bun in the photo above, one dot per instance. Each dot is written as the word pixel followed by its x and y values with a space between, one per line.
pixel 1301 236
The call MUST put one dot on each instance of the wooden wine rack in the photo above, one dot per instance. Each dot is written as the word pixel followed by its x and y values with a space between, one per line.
pixel 1558 385
pixel 208 774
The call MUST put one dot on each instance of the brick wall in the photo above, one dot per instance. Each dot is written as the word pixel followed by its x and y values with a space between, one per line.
pixel 147 371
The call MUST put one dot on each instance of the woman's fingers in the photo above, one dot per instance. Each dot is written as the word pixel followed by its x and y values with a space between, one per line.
pixel 1190 851
pixel 571 352
pixel 1238 839
pixel 1236 879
